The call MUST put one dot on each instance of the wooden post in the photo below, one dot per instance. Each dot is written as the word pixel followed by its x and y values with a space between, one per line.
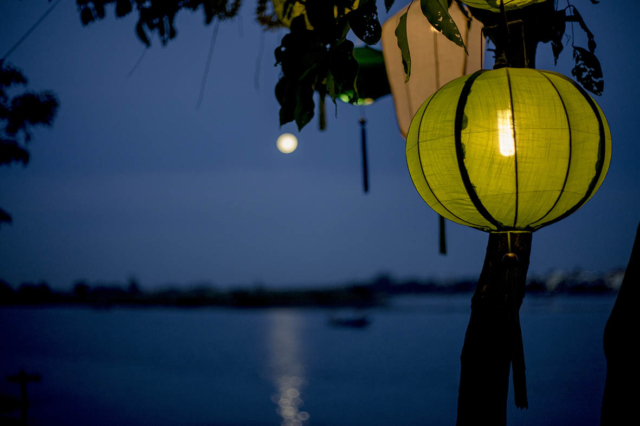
pixel 491 335
pixel 622 386
pixel 22 379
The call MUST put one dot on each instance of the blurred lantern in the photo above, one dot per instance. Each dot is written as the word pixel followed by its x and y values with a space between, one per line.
pixel 372 83
pixel 435 61
pixel 509 150
pixel 494 5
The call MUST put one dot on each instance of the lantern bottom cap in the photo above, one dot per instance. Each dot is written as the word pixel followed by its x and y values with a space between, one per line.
pixel 515 231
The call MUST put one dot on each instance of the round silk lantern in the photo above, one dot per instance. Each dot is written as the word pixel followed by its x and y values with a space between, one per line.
pixel 494 5
pixel 510 149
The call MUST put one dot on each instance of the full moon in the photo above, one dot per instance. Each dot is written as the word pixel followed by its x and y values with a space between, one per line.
pixel 287 143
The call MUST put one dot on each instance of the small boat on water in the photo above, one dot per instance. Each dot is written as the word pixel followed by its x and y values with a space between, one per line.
pixel 359 321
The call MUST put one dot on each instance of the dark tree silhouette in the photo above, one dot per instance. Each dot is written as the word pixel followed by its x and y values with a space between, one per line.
pixel 18 114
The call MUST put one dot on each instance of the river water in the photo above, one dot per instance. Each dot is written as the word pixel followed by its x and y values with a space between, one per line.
pixel 165 366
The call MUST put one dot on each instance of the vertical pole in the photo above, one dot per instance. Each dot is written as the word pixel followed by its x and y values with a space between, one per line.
pixel 24 402
pixel 488 346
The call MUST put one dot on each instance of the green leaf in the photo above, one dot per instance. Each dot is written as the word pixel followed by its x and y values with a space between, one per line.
pixel 11 151
pixel 587 70
pixel 558 28
pixel 403 44
pixel 286 98
pixel 331 87
pixel 5 217
pixel 343 67
pixel 437 12
pixel 320 14
pixel 364 22
pixel 123 8
pixel 142 34
pixel 305 106
pixel 388 4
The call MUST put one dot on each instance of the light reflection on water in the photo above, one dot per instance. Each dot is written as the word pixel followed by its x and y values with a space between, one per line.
pixel 286 368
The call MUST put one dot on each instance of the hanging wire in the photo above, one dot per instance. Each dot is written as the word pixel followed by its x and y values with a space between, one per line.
pixel 573 36
pixel 503 60
pixel 256 75
pixel 138 62
pixel 206 68
pixel 482 37
pixel 240 27
pixel 30 30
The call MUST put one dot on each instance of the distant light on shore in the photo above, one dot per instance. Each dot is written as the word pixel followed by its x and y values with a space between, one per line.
pixel 287 143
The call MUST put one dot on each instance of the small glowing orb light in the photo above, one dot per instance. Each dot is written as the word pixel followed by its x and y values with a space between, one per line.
pixel 287 143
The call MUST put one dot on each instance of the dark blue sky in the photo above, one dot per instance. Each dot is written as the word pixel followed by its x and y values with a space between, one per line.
pixel 133 180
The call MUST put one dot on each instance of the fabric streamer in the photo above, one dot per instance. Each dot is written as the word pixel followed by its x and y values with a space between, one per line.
pixel 365 169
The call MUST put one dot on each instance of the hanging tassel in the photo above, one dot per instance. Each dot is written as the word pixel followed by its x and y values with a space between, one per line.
pixel 510 261
pixel 443 237
pixel 322 120
pixel 365 171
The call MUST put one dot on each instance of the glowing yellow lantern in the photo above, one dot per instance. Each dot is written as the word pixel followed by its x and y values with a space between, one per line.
pixel 510 149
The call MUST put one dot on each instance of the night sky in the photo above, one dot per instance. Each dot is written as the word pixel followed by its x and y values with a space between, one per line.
pixel 132 179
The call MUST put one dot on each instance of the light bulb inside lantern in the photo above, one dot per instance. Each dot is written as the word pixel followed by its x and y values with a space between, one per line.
pixel 505 129
pixel 287 143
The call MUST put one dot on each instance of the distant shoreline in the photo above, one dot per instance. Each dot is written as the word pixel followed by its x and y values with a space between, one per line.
pixel 376 293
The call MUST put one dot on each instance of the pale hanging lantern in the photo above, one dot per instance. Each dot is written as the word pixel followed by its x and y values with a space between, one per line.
pixel 435 60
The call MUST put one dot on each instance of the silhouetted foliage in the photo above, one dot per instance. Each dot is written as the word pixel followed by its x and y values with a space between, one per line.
pixel 587 69
pixel 157 16
pixel 361 294
pixel 545 23
pixel 35 293
pixel 81 290
pixel 18 114
pixel 134 286
pixel 315 56
pixel 266 16
pixel 7 293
